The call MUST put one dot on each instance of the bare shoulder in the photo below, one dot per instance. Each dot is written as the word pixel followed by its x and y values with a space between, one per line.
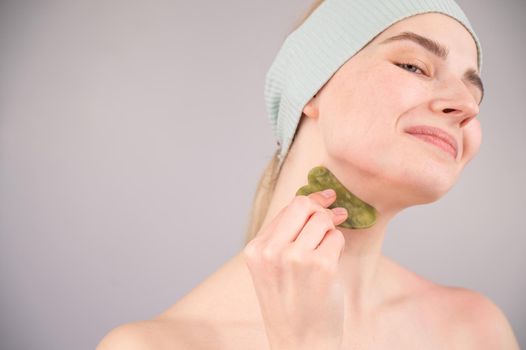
pixel 466 319
pixel 476 322
pixel 144 335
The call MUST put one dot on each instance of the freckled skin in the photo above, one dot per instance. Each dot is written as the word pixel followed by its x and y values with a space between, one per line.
pixel 360 214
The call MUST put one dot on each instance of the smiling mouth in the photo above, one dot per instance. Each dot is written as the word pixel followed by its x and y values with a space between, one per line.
pixel 436 136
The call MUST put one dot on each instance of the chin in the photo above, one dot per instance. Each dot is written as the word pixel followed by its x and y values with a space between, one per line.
pixel 426 182
pixel 424 193
pixel 406 177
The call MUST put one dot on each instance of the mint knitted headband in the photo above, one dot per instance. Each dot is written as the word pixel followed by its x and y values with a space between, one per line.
pixel 330 36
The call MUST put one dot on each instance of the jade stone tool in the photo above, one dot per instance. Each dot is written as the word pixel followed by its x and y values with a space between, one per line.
pixel 361 214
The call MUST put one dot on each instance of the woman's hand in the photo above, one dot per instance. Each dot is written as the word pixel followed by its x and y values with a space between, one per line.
pixel 293 262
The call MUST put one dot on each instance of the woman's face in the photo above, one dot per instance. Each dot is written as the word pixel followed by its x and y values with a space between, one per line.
pixel 366 107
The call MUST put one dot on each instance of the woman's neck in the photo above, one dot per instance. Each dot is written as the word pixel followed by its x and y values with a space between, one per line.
pixel 361 260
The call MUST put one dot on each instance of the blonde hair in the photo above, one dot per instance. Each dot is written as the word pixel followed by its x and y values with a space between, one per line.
pixel 267 182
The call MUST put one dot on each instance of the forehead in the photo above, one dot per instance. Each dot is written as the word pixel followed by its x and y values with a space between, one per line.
pixel 441 28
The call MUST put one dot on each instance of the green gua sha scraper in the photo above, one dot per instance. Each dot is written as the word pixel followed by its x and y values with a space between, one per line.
pixel 361 214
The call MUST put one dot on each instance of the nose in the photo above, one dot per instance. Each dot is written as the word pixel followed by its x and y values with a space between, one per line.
pixel 454 101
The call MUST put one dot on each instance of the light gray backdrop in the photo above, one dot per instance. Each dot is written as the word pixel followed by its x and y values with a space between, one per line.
pixel 133 134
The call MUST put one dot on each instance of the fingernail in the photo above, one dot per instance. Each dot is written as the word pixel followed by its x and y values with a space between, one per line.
pixel 340 211
pixel 328 193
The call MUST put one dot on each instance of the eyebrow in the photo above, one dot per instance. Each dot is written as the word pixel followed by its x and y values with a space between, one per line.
pixel 440 51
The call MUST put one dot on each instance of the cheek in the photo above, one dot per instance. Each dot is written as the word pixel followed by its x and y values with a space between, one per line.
pixel 363 113
pixel 402 90
pixel 384 91
pixel 472 135
pixel 367 108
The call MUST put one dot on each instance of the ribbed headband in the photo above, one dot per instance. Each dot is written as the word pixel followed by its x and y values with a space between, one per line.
pixel 330 36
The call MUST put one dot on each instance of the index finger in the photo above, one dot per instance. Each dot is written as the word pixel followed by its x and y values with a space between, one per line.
pixel 287 225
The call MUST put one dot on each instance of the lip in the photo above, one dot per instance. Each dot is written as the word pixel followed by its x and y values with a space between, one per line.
pixel 431 134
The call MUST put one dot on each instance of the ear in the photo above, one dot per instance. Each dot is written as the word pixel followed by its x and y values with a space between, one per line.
pixel 311 108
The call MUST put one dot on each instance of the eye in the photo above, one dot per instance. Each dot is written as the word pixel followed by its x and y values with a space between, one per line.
pixel 410 67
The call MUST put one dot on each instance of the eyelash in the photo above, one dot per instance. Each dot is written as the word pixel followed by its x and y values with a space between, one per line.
pixel 410 64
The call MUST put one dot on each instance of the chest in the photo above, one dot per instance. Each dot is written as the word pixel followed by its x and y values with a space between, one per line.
pixel 409 335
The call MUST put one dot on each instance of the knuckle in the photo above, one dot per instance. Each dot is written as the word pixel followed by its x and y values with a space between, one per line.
pixel 338 237
pixel 252 250
pixel 260 257
pixel 269 255
pixel 301 202
pixel 329 215
pixel 325 218
pixel 326 265
pixel 249 248
pixel 294 258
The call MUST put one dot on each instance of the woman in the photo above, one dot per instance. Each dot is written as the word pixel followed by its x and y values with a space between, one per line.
pixel 369 81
